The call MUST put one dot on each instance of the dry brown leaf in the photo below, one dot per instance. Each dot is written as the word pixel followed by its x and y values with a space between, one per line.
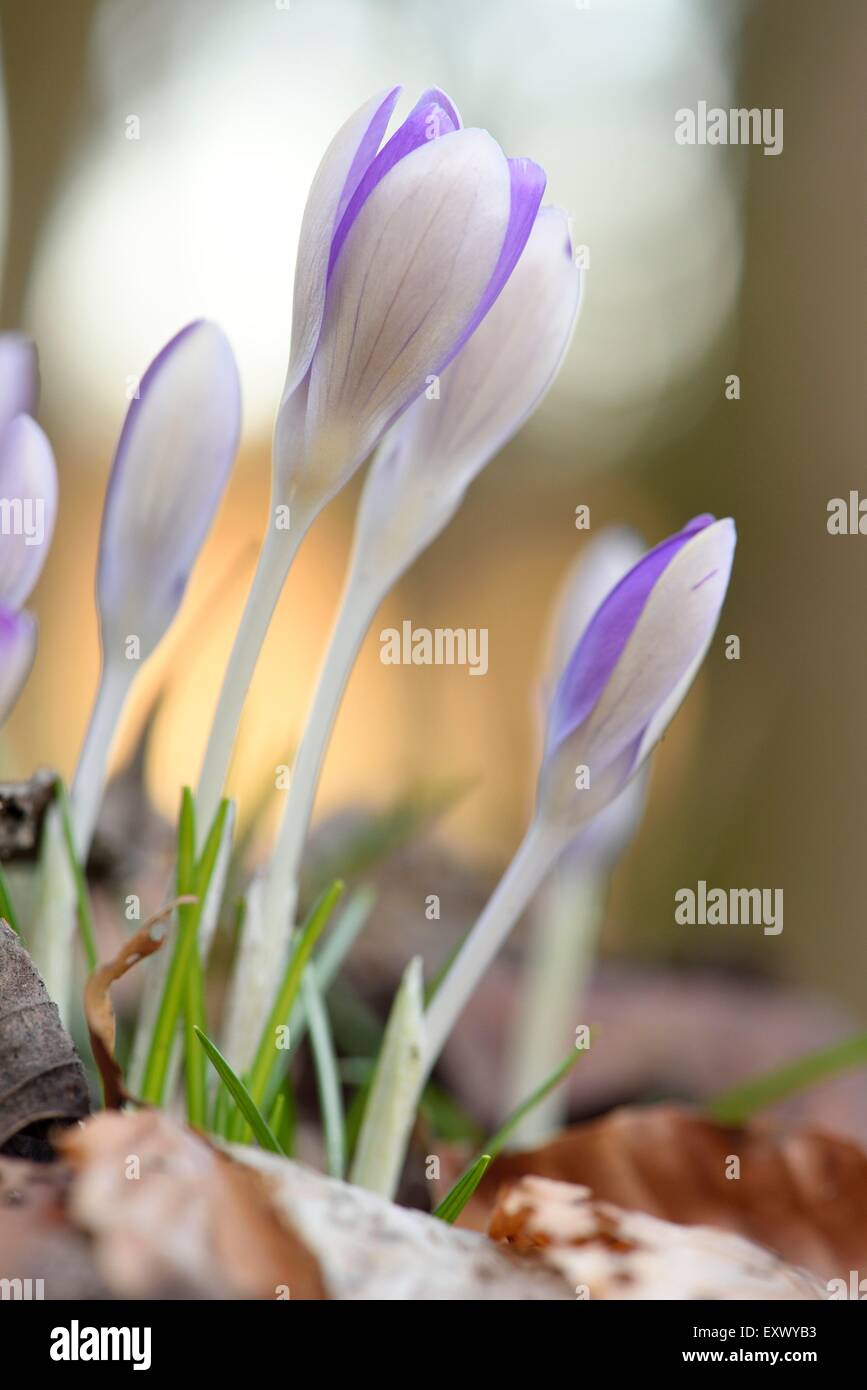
pixel 41 1076
pixel 802 1194
pixel 605 1253
pixel 169 1215
pixel 98 1008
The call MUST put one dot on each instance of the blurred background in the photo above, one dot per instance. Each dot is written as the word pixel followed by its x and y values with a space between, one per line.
pixel 703 261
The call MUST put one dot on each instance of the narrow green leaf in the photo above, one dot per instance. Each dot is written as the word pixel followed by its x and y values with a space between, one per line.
pixel 7 911
pixel 174 994
pixel 194 1005
pixel 327 1079
pixel 736 1106
pixel 240 1095
pixel 268 1056
pixel 504 1133
pixel 454 1201
pixel 82 896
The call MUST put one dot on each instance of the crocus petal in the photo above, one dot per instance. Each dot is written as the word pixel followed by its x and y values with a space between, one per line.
pixel 336 180
pixel 418 259
pixel 432 116
pixel 17 650
pixel 433 452
pixel 172 462
pixel 19 378
pixel 28 507
pixel 633 667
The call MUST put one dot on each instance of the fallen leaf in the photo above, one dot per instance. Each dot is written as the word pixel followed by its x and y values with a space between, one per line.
pixel 22 811
pixel 802 1194
pixel 42 1076
pixel 605 1253
pixel 98 1008
pixel 368 1248
pixel 171 1216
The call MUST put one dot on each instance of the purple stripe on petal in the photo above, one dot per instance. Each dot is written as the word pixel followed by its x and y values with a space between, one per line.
pixel 433 115
pixel 528 185
pixel 366 152
pixel 599 650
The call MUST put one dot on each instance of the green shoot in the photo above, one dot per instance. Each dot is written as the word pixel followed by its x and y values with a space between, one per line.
pixel 454 1201
pixel 736 1106
pixel 7 911
pixel 240 1095
pixel 327 1079
pixel 82 896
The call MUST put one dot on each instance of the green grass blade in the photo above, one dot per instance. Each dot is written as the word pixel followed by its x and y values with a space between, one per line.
pixel 240 1095
pixel 327 1079
pixel 7 911
pixel 194 1005
pixel 82 896
pixel 268 1056
pixel 330 957
pixel 174 997
pixel 504 1133
pixel 454 1201
pixel 736 1106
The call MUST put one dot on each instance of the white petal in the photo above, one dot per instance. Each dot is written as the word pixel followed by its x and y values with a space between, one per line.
pixel 648 683
pixel 19 378
pixel 413 269
pixel 601 565
pixel 28 508
pixel 333 184
pixel 171 466
pixel 17 650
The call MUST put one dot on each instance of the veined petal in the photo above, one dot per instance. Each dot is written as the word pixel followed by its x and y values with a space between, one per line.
pixel 438 446
pixel 28 507
pixel 421 252
pixel 19 378
pixel 172 463
pixel 342 168
pixel 17 650
pixel 432 116
pixel 642 651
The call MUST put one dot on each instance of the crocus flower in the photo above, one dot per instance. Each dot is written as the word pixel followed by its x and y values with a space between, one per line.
pixel 621 688
pixel 403 251
pixel 417 482
pixel 170 469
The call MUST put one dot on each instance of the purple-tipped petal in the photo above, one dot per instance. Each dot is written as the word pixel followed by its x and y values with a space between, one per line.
pixel 28 508
pixel 17 650
pixel 19 378
pixel 171 466
pixel 432 116
pixel 631 670
pixel 336 180
pixel 600 647
pixel 527 187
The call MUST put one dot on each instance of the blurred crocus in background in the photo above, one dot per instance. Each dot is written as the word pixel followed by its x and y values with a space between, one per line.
pixel 28 510
pixel 402 252
pixel 170 469
pixel 568 909
pixel 416 483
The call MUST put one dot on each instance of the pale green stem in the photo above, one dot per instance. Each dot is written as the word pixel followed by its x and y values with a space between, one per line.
pixel 567 916
pixel 89 781
pixel 394 1095
pixel 275 558
pixel 361 598
pixel 534 857
pixel 52 937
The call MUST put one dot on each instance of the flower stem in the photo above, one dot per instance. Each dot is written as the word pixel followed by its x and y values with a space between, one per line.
pixel 89 782
pixel 534 857
pixel 357 607
pixel 275 557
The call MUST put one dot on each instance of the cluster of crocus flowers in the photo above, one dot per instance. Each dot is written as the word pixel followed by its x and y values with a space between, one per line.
pixel 403 251
pixel 28 510
pixel 416 483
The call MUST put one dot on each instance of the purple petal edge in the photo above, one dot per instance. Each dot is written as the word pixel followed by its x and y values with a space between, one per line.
pixel 591 664
pixel 407 137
